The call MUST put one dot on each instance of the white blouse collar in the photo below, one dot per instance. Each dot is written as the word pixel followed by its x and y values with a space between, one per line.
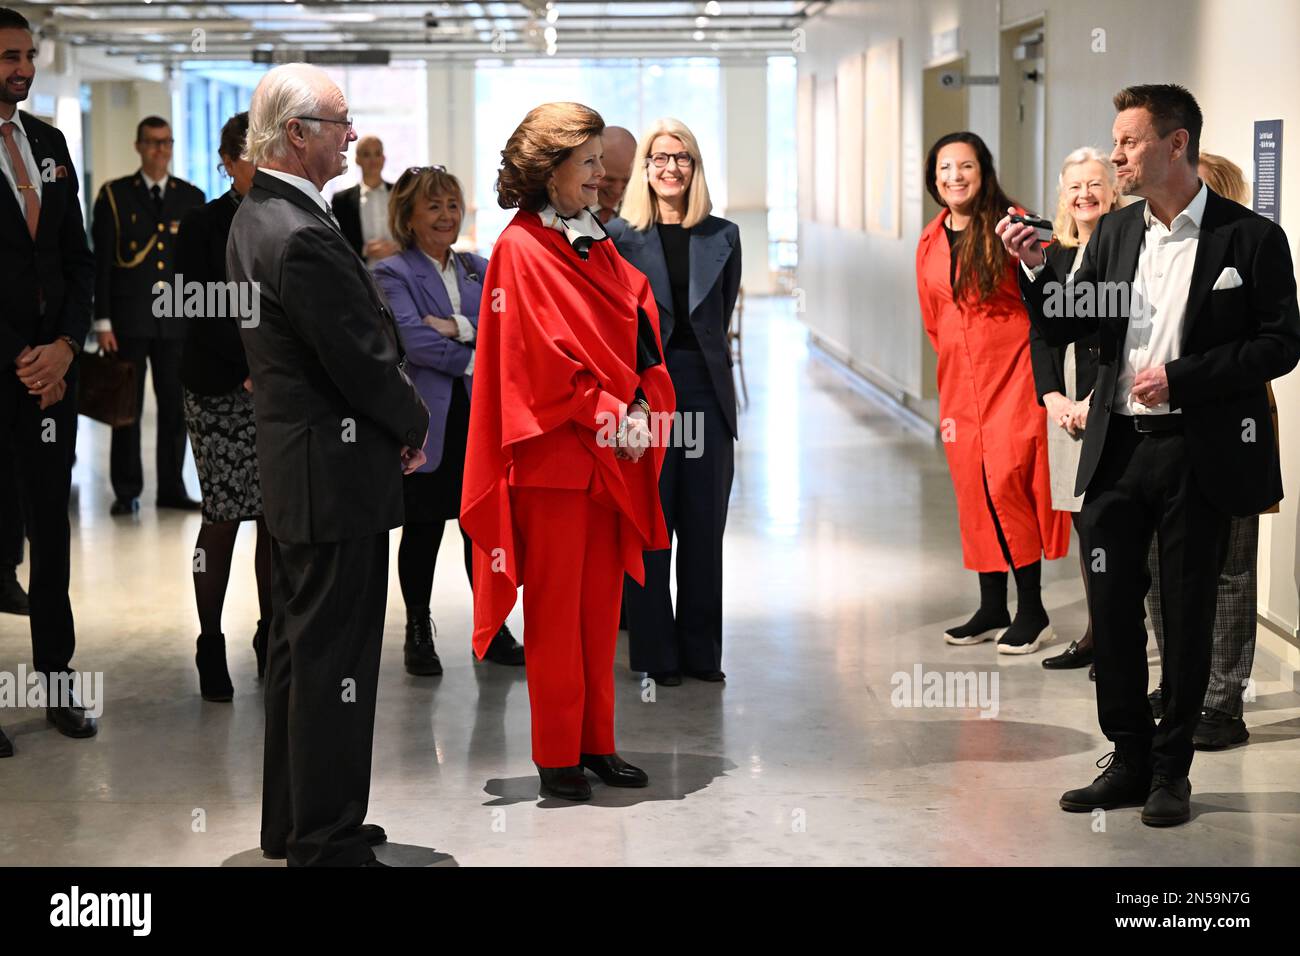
pixel 581 230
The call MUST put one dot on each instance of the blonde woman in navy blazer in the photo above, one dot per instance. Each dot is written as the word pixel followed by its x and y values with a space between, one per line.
pixel 692 260
pixel 434 294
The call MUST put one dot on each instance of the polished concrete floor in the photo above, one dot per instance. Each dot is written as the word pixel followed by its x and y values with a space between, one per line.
pixel 843 568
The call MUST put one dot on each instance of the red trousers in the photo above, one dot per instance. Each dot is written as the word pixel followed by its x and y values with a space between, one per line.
pixel 572 576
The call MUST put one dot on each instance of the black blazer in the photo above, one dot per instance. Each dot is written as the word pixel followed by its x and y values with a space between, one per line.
pixel 212 362
pixel 134 249
pixel 333 404
pixel 1049 361
pixel 714 285
pixel 57 265
pixel 1234 341
pixel 347 210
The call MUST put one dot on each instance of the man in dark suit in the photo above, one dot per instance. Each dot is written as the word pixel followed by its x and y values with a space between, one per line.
pixel 47 273
pixel 1193 298
pixel 338 423
pixel 135 222
pixel 362 210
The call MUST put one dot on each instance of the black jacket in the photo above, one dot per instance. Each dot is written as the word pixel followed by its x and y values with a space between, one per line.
pixel 1049 361
pixel 1234 341
pixel 135 248
pixel 332 403
pixel 714 286
pixel 347 210
pixel 213 361
pixel 57 265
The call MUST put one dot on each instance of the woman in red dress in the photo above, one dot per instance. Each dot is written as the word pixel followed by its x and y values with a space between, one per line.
pixel 561 491
pixel 993 429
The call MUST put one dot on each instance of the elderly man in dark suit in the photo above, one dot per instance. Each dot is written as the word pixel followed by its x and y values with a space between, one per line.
pixel 47 273
pixel 338 423
pixel 1193 298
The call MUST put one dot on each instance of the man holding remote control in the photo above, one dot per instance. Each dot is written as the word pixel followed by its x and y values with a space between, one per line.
pixel 1194 299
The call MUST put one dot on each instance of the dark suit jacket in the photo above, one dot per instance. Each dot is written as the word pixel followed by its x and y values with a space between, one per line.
pixel 1234 341
pixel 135 247
pixel 332 403
pixel 714 286
pixel 1049 361
pixel 213 361
pixel 347 210
pixel 57 265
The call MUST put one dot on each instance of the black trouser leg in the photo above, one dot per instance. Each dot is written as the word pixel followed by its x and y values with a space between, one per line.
pixel 169 394
pixel 651 629
pixel 124 467
pixel 417 559
pixel 11 515
pixel 323 675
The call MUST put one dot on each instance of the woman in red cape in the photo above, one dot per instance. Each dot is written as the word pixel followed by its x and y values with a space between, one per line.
pixel 993 429
pixel 561 490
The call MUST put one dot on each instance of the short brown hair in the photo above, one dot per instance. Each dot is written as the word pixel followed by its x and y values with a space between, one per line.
pixel 1171 107
pixel 418 182
pixel 1224 177
pixel 546 137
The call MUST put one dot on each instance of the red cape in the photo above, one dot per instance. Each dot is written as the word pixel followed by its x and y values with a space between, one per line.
pixel 556 342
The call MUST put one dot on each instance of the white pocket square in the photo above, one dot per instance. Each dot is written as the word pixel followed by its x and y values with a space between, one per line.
pixel 1228 279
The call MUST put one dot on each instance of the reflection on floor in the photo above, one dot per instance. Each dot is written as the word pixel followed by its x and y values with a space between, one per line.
pixel 843 568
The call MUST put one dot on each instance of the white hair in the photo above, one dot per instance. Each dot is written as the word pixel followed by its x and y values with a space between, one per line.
pixel 286 92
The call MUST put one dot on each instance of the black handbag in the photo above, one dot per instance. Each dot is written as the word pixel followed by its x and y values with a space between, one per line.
pixel 106 389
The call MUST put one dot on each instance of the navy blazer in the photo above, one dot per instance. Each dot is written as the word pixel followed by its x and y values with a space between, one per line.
pixel 413 289
pixel 714 286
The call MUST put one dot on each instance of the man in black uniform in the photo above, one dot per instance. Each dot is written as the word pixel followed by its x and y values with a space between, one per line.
pixel 136 219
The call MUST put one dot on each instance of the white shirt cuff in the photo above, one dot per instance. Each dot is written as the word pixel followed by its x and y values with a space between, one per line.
pixel 1033 273
pixel 464 331
pixel 103 325
pixel 469 369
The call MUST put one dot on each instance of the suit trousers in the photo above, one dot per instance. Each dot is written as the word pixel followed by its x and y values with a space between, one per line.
pixel 163 357
pixel 1144 485
pixel 694 488
pixel 40 446
pixel 11 515
pixel 571 571
pixel 321 681
pixel 1233 649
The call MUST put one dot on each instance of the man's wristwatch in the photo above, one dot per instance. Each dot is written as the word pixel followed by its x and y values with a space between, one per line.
pixel 72 344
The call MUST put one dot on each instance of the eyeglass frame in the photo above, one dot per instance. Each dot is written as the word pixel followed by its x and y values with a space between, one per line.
pixel 675 157
pixel 321 119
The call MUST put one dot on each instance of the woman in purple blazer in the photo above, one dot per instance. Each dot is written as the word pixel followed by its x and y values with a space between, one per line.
pixel 434 293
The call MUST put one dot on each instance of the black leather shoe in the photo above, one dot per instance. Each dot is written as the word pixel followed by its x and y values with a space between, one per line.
pixel 567 783
pixel 1120 785
pixel 1157 701
pixel 214 677
pixel 372 833
pixel 665 678
pixel 419 653
pixel 1218 731
pixel 1169 803
pixel 72 721
pixel 504 649
pixel 713 677
pixel 261 640
pixel 13 599
pixel 613 770
pixel 1070 658
pixel 124 506
pixel 6 745
pixel 183 503
pixel 1092 671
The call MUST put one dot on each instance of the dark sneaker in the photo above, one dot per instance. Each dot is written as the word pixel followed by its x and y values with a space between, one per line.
pixel 1219 731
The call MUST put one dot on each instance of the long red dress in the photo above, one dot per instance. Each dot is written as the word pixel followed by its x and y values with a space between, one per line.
pixel 990 421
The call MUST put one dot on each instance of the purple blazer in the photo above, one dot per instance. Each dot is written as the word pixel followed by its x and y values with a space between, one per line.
pixel 413 289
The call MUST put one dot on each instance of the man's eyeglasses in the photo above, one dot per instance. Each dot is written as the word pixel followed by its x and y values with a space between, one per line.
pixel 660 160
pixel 157 143
pixel 321 119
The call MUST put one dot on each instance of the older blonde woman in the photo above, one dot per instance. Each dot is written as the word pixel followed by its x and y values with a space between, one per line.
pixel 692 260
pixel 1064 376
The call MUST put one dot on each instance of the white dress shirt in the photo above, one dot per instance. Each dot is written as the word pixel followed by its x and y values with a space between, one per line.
pixel 450 281
pixel 149 184
pixel 304 185
pixel 29 159
pixel 1158 304
pixel 374 213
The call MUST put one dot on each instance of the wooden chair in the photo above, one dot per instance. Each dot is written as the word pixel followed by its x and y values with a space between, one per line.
pixel 734 343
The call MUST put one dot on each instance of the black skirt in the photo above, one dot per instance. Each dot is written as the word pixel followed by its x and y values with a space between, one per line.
pixel 434 496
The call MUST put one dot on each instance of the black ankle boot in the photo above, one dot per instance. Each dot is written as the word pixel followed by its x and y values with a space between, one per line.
pixel 261 638
pixel 214 679
pixel 1123 782
pixel 419 653
pixel 992 615
pixel 567 783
